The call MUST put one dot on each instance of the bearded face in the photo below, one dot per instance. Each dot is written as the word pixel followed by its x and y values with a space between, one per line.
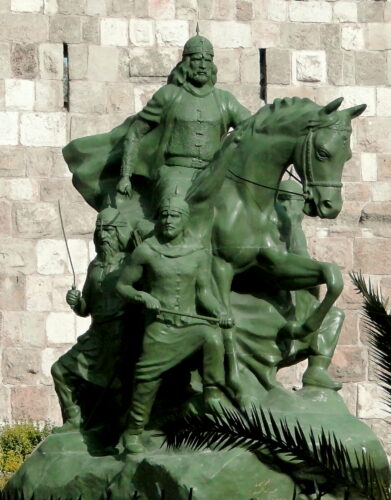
pixel 106 242
pixel 184 72
pixel 201 69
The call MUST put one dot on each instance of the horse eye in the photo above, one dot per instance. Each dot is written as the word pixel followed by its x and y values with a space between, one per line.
pixel 322 154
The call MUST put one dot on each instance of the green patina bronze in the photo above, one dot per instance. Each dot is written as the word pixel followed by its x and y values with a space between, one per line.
pixel 98 357
pixel 174 269
pixel 202 289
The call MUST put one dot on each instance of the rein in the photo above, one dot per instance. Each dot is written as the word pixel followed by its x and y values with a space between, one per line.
pixel 307 172
pixel 244 179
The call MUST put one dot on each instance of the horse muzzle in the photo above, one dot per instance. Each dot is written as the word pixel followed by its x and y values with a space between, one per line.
pixel 329 210
pixel 325 203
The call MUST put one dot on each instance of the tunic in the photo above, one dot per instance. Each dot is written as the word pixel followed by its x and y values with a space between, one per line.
pixel 194 124
pixel 97 352
pixel 171 277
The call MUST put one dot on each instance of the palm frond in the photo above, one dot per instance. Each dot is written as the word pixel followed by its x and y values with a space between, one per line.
pixel 254 430
pixel 377 324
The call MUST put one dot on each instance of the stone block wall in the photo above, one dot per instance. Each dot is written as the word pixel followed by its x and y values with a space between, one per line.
pixel 117 53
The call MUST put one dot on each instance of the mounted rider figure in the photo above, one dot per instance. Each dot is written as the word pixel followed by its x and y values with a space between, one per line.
pixel 193 116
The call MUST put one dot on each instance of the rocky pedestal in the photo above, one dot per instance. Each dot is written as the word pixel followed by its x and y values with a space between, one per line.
pixel 66 466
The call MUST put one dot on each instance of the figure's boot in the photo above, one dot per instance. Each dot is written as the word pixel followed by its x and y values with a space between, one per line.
pixel 140 410
pixel 131 440
pixel 72 420
pixel 213 398
pixel 65 387
pixel 316 374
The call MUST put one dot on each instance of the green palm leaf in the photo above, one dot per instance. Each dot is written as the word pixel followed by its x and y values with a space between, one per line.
pixel 378 328
pixel 259 432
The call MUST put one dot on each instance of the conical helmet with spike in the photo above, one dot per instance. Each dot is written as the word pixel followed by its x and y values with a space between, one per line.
pixel 110 216
pixel 198 45
pixel 174 203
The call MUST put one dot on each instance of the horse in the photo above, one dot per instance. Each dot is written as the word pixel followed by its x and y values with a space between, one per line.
pixel 233 206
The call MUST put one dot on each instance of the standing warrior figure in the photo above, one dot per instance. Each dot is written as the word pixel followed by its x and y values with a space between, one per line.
pixel 97 352
pixel 175 270
pixel 192 117
pixel 319 346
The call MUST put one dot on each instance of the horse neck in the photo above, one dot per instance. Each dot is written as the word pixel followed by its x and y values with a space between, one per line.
pixel 265 165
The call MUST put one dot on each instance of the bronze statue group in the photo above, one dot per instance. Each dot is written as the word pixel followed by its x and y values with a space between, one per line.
pixel 164 274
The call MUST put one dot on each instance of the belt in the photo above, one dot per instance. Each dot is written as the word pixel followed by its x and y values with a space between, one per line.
pixel 185 161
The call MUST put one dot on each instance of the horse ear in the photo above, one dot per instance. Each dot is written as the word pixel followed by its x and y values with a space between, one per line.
pixel 355 110
pixel 332 106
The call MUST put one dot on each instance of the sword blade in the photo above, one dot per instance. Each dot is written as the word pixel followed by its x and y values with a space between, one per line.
pixel 66 245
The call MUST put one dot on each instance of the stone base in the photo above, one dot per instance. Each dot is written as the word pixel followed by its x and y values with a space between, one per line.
pixel 66 466
pixel 62 468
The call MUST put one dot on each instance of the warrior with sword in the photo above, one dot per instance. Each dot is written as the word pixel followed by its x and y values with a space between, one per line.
pixel 94 358
pixel 175 271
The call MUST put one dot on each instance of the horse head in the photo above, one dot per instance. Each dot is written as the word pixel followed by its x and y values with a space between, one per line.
pixel 320 155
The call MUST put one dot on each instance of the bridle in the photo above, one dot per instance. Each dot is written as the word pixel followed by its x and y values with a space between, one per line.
pixel 308 176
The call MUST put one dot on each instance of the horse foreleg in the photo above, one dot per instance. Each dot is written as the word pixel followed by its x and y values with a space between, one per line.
pixel 295 272
pixel 323 323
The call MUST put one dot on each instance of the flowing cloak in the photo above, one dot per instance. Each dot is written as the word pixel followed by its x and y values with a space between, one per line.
pixel 95 161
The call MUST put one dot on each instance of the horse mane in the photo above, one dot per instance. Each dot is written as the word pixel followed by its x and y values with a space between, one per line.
pixel 288 116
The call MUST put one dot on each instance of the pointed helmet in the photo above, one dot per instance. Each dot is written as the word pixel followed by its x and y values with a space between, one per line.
pixel 198 45
pixel 110 216
pixel 174 203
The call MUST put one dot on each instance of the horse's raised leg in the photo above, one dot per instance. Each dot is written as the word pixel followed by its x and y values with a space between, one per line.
pixel 324 322
pixel 295 272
